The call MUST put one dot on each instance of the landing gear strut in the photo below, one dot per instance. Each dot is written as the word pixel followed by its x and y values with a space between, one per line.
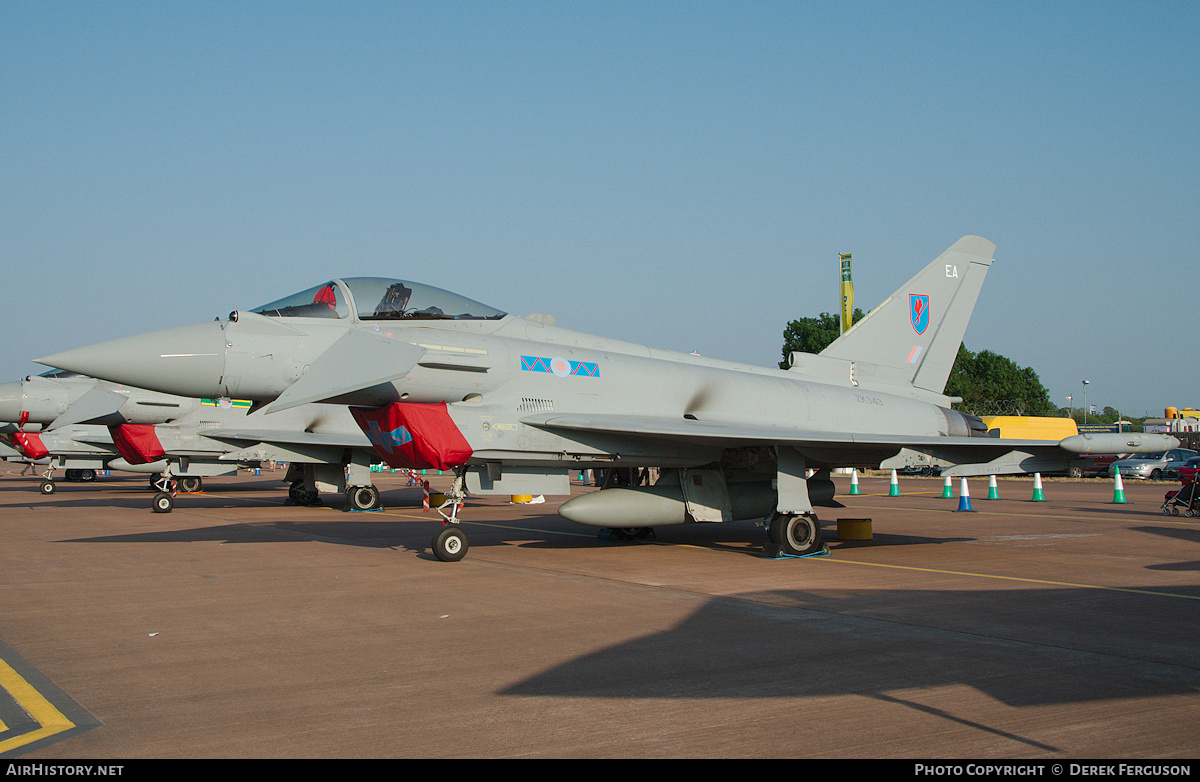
pixel 164 501
pixel 450 543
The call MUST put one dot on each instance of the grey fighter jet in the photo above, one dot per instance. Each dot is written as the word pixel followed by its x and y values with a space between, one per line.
pixel 88 424
pixel 58 420
pixel 511 405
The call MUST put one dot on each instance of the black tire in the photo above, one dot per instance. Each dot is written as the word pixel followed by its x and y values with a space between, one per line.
pixel 47 487
pixel 1155 475
pixel 87 476
pixel 630 533
pixel 796 534
pixel 302 496
pixel 163 502
pixel 450 544
pixel 362 497
pixel 190 484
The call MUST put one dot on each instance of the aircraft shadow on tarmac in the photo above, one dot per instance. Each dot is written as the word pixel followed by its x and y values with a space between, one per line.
pixel 378 531
pixel 1185 534
pixel 827 645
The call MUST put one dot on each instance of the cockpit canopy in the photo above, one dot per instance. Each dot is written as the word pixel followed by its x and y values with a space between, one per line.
pixel 378 298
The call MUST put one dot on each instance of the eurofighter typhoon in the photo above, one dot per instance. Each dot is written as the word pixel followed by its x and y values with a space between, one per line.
pixel 512 405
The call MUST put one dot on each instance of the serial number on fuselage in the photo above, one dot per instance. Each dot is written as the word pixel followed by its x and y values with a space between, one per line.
pixel 868 400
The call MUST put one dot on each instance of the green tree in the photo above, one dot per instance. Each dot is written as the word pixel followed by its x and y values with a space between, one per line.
pixel 812 335
pixel 986 379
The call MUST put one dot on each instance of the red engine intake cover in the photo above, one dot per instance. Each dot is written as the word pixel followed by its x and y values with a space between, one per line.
pixel 137 443
pixel 30 445
pixel 414 436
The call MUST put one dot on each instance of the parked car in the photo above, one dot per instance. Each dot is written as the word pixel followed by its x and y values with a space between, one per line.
pixel 1153 465
pixel 1187 473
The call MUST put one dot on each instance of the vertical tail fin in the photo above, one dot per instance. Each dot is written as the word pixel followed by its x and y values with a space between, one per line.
pixel 913 337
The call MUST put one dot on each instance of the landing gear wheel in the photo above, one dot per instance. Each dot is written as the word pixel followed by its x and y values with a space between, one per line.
pixel 300 495
pixel 163 502
pixel 72 475
pixel 797 535
pixel 87 476
pixel 632 533
pixel 362 497
pixel 192 484
pixel 450 544
pixel 47 487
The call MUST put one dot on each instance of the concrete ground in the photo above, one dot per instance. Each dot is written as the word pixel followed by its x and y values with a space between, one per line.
pixel 240 627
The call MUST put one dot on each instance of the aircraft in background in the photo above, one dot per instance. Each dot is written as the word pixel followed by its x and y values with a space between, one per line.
pixel 89 424
pixel 512 405
pixel 55 421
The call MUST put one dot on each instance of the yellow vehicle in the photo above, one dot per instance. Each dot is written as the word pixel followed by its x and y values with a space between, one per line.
pixel 1028 427
pixel 1016 427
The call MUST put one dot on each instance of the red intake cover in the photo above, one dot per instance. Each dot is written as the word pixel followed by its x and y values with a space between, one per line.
pixel 30 445
pixel 415 436
pixel 137 443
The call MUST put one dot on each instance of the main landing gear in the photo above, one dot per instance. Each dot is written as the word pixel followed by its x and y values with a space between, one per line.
pixel 362 498
pixel 793 535
pixel 303 493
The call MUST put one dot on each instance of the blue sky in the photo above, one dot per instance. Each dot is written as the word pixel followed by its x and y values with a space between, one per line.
pixel 680 174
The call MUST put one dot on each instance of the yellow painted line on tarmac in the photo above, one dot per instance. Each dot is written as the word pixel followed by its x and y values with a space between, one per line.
pixel 1011 578
pixel 51 720
pixel 1156 517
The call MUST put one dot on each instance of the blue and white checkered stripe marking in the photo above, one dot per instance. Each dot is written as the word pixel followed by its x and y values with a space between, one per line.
pixel 560 366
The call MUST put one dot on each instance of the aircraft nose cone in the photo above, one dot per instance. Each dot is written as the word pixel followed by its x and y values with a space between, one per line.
pixel 187 360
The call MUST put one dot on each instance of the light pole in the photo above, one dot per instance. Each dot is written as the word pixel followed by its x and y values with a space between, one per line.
pixel 1085 407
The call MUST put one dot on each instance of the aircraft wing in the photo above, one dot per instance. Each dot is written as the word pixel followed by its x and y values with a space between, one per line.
pixel 342 369
pixel 96 402
pixel 971 455
pixel 734 435
pixel 243 436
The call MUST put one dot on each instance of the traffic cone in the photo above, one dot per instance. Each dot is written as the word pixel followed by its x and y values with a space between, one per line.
pixel 854 482
pixel 964 498
pixel 894 491
pixel 1118 488
pixel 947 489
pixel 993 491
pixel 1038 495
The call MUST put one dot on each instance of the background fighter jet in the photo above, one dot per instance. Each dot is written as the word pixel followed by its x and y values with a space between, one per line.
pixel 436 380
pixel 183 439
